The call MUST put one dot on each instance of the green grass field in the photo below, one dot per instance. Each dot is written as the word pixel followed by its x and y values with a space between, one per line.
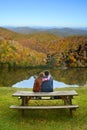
pixel 42 119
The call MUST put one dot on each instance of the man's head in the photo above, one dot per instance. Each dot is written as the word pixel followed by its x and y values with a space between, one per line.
pixel 46 72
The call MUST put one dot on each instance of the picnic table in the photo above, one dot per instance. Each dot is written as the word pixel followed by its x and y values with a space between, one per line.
pixel 26 96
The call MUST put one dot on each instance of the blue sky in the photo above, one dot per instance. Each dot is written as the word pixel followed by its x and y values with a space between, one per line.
pixel 59 13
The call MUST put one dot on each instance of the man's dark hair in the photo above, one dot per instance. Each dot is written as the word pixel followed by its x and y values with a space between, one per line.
pixel 46 72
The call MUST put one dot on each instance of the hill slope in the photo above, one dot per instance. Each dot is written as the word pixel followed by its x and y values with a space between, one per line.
pixel 61 50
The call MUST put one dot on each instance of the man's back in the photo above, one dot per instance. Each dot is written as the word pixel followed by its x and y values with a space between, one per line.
pixel 47 86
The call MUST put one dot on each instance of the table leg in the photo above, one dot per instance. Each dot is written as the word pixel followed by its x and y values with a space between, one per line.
pixel 24 103
pixel 69 99
pixel 71 112
pixel 25 100
pixel 22 112
pixel 64 98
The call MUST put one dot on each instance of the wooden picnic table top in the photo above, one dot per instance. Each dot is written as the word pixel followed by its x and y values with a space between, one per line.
pixel 55 93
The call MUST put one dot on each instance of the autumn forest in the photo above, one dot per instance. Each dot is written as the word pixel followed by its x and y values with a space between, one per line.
pixel 42 49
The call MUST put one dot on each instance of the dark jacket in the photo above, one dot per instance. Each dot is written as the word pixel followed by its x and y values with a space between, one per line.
pixel 47 86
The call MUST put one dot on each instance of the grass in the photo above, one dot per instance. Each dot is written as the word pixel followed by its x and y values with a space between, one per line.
pixel 42 119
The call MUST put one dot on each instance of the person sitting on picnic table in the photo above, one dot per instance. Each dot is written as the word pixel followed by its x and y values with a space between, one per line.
pixel 47 82
pixel 38 82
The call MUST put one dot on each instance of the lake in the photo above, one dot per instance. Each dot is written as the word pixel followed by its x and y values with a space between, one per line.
pixel 24 78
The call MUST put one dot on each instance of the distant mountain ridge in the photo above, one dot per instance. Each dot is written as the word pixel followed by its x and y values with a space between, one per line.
pixel 58 31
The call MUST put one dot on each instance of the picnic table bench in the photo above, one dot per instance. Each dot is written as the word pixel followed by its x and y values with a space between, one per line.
pixel 66 96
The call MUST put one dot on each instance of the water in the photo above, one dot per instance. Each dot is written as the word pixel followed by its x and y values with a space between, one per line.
pixel 24 78
pixel 29 84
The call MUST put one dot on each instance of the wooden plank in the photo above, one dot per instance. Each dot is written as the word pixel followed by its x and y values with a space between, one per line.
pixel 55 93
pixel 44 107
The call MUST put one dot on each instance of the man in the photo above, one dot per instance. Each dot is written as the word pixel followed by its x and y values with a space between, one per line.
pixel 47 85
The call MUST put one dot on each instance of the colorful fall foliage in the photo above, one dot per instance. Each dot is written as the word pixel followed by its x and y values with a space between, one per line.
pixel 42 49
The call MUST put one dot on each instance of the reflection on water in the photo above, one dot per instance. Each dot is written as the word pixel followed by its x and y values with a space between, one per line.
pixel 25 83
pixel 29 84
pixel 62 77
